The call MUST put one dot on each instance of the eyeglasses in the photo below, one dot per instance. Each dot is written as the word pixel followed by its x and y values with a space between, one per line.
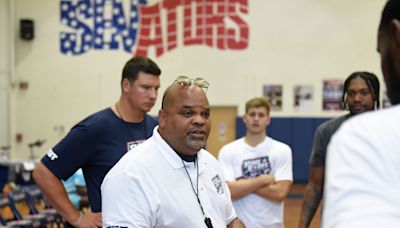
pixel 186 81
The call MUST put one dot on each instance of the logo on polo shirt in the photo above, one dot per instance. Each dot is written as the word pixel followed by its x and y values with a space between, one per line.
pixel 52 155
pixel 218 184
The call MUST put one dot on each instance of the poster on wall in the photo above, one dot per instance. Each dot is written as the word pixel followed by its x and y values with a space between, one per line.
pixel 332 94
pixel 303 96
pixel 274 95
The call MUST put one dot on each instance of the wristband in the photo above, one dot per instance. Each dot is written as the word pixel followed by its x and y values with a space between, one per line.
pixel 78 222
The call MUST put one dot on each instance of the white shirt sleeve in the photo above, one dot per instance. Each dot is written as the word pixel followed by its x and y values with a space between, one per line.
pixel 360 190
pixel 230 210
pixel 125 203
pixel 227 164
pixel 284 170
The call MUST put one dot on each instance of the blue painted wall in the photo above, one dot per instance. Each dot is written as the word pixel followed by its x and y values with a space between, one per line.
pixel 298 133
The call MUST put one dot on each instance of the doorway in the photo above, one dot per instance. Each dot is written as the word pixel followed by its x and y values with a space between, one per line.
pixel 223 127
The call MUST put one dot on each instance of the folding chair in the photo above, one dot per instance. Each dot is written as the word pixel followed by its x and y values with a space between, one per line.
pixel 21 209
pixel 7 217
pixel 39 205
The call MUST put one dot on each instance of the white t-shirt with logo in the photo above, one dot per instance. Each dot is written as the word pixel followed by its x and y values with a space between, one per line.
pixel 240 160
pixel 149 187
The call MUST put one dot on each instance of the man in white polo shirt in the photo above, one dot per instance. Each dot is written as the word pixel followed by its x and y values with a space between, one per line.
pixel 169 180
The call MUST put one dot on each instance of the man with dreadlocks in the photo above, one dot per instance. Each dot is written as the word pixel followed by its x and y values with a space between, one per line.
pixel 360 94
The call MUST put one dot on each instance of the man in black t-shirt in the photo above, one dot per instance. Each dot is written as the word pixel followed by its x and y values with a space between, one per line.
pixel 97 143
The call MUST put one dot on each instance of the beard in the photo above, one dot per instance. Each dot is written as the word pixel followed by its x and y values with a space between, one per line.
pixel 195 144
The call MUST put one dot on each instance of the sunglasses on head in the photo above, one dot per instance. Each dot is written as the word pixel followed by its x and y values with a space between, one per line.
pixel 186 81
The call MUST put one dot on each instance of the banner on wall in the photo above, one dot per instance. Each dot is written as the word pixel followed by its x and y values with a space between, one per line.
pixel 135 26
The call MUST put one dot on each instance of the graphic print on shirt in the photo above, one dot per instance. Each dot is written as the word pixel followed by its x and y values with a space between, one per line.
pixel 255 167
pixel 52 155
pixel 218 184
pixel 132 144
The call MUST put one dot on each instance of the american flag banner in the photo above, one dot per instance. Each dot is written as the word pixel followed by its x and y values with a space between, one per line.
pixel 136 26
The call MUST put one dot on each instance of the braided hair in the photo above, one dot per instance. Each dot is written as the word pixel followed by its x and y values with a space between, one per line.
pixel 372 82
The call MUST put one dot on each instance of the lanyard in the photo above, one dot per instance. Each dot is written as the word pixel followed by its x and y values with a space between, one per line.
pixel 207 220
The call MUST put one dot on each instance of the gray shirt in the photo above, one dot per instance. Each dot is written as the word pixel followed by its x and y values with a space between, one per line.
pixel 321 139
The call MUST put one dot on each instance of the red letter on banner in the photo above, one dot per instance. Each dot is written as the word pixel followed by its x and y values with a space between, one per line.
pixel 193 34
pixel 150 20
pixel 215 20
pixel 171 6
pixel 243 27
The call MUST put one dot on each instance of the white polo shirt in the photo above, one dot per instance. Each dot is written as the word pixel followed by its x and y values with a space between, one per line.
pixel 149 187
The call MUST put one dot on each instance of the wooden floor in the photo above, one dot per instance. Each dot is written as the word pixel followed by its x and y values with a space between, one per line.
pixel 293 208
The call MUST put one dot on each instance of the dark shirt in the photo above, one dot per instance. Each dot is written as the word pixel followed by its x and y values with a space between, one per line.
pixel 96 144
pixel 321 140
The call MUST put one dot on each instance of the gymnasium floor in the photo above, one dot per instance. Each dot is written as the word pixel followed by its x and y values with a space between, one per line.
pixel 293 208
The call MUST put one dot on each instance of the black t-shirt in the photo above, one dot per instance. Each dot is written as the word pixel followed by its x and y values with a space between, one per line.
pixel 96 144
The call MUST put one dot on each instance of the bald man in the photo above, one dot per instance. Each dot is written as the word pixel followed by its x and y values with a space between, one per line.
pixel 170 180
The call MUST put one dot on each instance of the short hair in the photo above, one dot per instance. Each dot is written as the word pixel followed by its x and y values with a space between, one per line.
pixel 139 64
pixel 258 102
pixel 372 82
pixel 390 11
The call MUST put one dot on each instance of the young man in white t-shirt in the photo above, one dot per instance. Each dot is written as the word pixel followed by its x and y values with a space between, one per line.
pixel 258 170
